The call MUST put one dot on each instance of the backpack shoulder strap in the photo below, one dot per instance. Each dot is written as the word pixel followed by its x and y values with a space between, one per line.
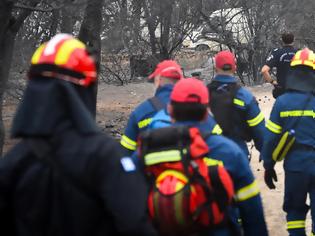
pixel 206 135
pixel 156 103
pixel 234 87
pixel 44 153
pixel 219 86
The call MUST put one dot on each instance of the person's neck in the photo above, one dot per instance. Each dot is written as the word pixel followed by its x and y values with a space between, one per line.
pixel 225 73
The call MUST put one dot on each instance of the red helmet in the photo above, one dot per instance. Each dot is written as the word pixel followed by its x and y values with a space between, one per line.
pixel 64 57
pixel 190 90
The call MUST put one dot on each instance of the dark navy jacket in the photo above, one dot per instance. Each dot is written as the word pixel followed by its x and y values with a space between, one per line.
pixel 247 191
pixel 281 58
pixel 286 110
pixel 141 118
pixel 245 101
pixel 35 200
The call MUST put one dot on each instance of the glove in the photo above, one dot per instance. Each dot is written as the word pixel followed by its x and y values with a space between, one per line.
pixel 270 176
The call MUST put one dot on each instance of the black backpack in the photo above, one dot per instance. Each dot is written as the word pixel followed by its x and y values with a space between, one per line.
pixel 225 113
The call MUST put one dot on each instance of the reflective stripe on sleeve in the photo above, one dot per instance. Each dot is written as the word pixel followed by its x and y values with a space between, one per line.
pixel 144 123
pixel 216 129
pixel 239 102
pixel 297 113
pixel 273 127
pixel 296 224
pixel 212 162
pixel 247 192
pixel 128 143
pixel 255 121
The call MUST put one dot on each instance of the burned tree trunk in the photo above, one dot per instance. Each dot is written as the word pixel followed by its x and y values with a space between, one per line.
pixel 68 18
pixel 8 31
pixel 166 11
pixel 6 8
pixel 90 32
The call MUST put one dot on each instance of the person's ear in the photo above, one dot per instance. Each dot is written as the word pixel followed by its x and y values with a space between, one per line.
pixel 205 116
pixel 157 81
pixel 170 111
pixel 234 71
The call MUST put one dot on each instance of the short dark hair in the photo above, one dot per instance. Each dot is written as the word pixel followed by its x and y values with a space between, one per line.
pixel 287 37
pixel 188 111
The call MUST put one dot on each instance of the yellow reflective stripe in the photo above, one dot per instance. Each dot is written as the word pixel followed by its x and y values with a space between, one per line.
pixel 238 102
pixel 66 49
pixel 175 173
pixel 282 146
pixel 38 53
pixel 163 156
pixel 312 234
pixel 259 118
pixel 297 113
pixel 128 143
pixel 273 127
pixel 216 129
pixel 144 123
pixel 212 162
pixel 247 192
pixel 287 148
pixel 297 224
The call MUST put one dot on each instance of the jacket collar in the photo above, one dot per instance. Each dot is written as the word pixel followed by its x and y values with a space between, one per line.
pixel 167 88
pixel 225 79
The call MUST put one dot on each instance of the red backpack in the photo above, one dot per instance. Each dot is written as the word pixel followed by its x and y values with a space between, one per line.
pixel 189 191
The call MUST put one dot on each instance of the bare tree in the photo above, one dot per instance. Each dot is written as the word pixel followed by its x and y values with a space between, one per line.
pixel 11 22
pixel 90 32
pixel 250 29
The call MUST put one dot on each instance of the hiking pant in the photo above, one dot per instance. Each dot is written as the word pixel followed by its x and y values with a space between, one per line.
pixel 297 185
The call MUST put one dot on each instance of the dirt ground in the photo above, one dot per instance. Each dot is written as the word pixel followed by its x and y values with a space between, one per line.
pixel 116 102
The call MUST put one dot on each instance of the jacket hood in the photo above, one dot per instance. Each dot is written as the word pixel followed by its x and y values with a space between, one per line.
pixel 301 79
pixel 49 102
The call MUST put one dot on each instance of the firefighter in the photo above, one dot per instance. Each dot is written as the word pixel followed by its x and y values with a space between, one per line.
pixel 163 119
pixel 165 75
pixel 234 107
pixel 65 177
pixel 279 58
pixel 189 106
pixel 290 136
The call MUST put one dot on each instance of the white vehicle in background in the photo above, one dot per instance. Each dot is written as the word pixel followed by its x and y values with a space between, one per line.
pixel 200 42
pixel 205 38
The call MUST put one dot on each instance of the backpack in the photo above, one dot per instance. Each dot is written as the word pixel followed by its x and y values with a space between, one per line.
pixel 160 120
pixel 188 192
pixel 224 111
